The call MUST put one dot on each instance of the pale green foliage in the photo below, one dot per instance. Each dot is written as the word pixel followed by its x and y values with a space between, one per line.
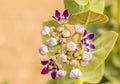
pixel 88 17
pixel 90 12
pixel 93 76
pixel 104 45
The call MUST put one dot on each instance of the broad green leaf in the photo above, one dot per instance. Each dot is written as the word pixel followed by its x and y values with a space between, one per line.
pixel 94 5
pixel 94 76
pixel 82 2
pixel 104 45
pixel 51 23
pixel 74 7
pixel 88 11
pixel 88 17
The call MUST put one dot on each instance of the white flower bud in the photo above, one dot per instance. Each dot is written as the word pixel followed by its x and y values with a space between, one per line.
pixel 60 29
pixel 43 49
pixel 61 73
pixel 84 63
pixel 54 33
pixel 79 28
pixel 66 33
pixel 75 74
pixel 52 29
pixel 86 56
pixel 52 41
pixel 71 46
pixel 63 58
pixel 73 62
pixel 45 30
pixel 63 40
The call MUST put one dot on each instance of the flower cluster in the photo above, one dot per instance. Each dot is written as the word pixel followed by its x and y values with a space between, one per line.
pixel 69 53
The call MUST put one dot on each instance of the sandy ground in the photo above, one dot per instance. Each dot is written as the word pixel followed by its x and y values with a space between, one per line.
pixel 20 24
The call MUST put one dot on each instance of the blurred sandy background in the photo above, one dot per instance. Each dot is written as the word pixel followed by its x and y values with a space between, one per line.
pixel 20 24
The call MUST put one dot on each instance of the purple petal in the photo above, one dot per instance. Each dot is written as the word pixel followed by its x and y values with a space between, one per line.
pixel 54 17
pixel 65 14
pixel 53 74
pixel 45 70
pixel 57 67
pixel 92 46
pixel 44 62
pixel 90 36
pixel 57 14
pixel 85 32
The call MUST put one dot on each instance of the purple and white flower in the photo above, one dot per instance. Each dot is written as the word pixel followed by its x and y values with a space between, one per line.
pixel 61 18
pixel 50 67
pixel 87 41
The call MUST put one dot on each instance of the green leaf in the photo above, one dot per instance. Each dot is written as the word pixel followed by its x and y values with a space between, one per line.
pixel 74 7
pixel 88 17
pixel 104 45
pixel 93 76
pixel 51 23
pixel 88 11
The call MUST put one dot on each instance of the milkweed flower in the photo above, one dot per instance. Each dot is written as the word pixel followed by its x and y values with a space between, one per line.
pixel 58 41
pixel 61 18
pixel 87 41
pixel 50 67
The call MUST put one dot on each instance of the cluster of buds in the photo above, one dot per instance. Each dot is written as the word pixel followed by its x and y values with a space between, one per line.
pixel 69 53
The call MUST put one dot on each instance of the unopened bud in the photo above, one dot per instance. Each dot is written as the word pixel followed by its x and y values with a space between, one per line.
pixel 61 73
pixel 79 28
pixel 71 46
pixel 86 56
pixel 52 41
pixel 66 33
pixel 63 58
pixel 45 30
pixel 84 63
pixel 60 29
pixel 43 49
pixel 75 74
pixel 73 62
pixel 62 40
